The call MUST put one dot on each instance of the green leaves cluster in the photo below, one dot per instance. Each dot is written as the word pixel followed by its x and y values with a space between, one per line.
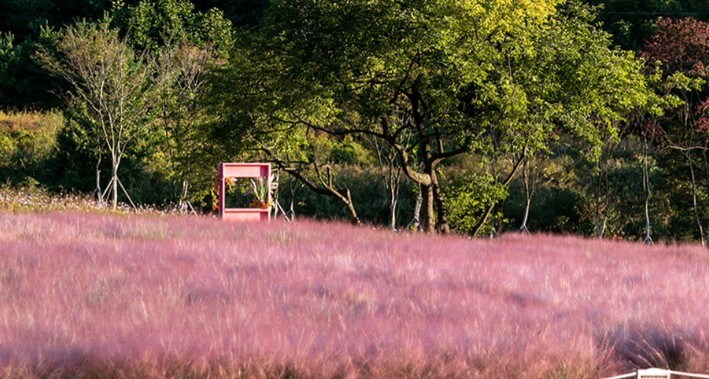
pixel 154 24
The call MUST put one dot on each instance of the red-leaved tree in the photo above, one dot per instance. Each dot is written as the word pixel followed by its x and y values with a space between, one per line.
pixel 682 48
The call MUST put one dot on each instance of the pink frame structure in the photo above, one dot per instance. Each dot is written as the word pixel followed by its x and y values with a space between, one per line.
pixel 238 171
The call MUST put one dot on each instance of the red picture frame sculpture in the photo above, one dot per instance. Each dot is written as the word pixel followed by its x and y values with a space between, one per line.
pixel 240 171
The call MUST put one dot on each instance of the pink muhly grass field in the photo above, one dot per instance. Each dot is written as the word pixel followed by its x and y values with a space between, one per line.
pixel 165 296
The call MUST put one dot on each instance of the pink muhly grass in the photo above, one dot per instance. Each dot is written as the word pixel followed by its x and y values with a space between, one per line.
pixel 156 296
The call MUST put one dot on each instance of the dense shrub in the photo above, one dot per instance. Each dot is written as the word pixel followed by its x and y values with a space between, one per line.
pixel 28 144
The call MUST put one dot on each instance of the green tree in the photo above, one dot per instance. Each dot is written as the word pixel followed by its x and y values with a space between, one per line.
pixel 155 24
pixel 24 84
pixel 243 13
pixel 184 116
pixel 114 88
pixel 189 45
pixel 588 88
pixel 434 79
pixel 393 71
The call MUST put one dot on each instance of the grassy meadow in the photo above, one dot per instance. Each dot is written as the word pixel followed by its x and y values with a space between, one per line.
pixel 98 295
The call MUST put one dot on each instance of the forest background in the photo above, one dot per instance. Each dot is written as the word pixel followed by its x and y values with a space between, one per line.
pixel 478 117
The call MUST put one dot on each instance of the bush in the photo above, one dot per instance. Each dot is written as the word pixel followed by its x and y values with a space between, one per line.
pixel 28 144
pixel 469 197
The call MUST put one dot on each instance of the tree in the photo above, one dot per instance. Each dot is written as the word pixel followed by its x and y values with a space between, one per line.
pixel 679 53
pixel 391 173
pixel 632 22
pixel 114 87
pixel 156 24
pixel 185 67
pixel 435 79
pixel 576 89
pixel 188 46
pixel 25 85
pixel 682 45
pixel 23 18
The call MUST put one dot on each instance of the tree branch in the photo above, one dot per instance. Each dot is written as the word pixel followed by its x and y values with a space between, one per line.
pixel 327 189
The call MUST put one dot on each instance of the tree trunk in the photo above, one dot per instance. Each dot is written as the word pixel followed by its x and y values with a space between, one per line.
pixel 527 195
pixel 695 202
pixel 97 191
pixel 524 228
pixel 351 208
pixel 599 182
pixel 394 188
pixel 415 224
pixel 442 224
pixel 428 217
pixel 114 179
pixel 392 210
pixel 600 220
pixel 483 220
pixel 392 180
pixel 646 188
pixel 325 186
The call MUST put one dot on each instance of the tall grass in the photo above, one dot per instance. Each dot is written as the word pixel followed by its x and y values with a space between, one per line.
pixel 163 296
pixel 37 199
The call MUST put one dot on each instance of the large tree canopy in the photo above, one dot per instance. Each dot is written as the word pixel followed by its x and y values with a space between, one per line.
pixel 433 79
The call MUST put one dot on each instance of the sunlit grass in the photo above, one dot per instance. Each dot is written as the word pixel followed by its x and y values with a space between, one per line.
pixel 30 121
pixel 155 296
pixel 32 198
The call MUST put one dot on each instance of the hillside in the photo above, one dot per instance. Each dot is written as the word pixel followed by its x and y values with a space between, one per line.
pixel 164 296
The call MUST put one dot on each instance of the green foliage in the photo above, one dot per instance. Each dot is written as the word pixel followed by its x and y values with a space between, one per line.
pixel 77 156
pixel 177 154
pixel 556 204
pixel 468 199
pixel 412 75
pixel 24 18
pixel 28 144
pixel 183 140
pixel 6 47
pixel 343 151
pixel 24 84
pixel 243 13
pixel 154 24
pixel 112 87
pixel 581 83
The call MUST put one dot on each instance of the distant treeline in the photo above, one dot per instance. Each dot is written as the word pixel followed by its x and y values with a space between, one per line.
pixel 577 117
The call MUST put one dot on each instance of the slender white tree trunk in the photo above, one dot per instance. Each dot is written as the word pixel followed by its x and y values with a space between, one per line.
pixel 115 161
pixel 97 190
pixel 695 202
pixel 415 223
pixel 646 188
pixel 394 185
pixel 528 196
